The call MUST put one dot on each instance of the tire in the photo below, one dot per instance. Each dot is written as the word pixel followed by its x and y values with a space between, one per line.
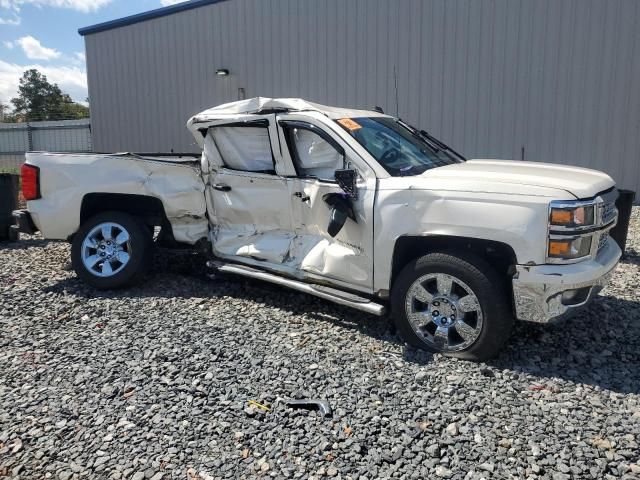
pixel 127 252
pixel 473 321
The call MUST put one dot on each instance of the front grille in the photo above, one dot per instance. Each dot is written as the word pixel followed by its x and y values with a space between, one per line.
pixel 604 239
pixel 609 212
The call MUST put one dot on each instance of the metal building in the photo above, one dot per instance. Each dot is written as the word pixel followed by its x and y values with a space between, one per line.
pixel 545 80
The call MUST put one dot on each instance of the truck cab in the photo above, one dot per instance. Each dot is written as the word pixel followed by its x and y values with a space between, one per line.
pixel 362 209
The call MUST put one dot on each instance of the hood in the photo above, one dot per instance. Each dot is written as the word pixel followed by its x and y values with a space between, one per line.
pixel 494 175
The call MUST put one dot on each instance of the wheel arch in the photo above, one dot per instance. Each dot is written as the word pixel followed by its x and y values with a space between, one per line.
pixel 150 210
pixel 409 247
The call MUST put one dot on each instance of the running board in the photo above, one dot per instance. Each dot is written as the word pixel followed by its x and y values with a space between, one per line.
pixel 333 295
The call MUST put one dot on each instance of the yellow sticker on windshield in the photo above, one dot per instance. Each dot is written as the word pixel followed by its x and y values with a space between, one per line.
pixel 349 124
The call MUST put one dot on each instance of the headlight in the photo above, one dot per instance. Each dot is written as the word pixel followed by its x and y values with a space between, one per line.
pixel 576 227
pixel 564 215
pixel 569 248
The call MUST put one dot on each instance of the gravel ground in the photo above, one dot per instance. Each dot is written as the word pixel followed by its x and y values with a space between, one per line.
pixel 154 383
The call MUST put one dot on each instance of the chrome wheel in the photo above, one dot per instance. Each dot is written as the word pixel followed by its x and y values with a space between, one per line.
pixel 106 249
pixel 444 312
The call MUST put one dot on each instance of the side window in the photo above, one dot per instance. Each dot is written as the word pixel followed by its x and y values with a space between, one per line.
pixel 244 148
pixel 313 155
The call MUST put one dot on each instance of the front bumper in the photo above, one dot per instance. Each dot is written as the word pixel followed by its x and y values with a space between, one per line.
pixel 24 222
pixel 542 293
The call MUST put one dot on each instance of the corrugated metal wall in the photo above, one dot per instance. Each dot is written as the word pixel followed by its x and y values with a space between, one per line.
pixel 557 80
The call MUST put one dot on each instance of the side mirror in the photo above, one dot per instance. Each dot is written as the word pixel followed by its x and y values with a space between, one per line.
pixel 338 219
pixel 347 180
pixel 341 209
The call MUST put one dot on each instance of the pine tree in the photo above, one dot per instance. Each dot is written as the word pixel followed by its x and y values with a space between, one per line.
pixel 40 100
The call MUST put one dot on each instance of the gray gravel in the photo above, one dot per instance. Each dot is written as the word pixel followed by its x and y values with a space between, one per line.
pixel 155 382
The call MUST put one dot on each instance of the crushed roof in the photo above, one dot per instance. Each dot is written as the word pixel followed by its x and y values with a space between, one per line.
pixel 264 104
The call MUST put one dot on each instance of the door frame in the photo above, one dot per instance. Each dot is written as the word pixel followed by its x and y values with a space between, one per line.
pixel 367 185
pixel 219 168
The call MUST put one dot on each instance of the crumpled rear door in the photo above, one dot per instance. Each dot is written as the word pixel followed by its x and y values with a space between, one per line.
pixel 247 197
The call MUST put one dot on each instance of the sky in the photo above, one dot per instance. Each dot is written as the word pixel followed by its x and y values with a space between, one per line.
pixel 43 34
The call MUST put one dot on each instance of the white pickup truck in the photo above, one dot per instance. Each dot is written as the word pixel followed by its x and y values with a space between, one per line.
pixel 353 206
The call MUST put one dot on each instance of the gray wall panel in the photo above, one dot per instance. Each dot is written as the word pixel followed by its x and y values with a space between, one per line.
pixel 557 78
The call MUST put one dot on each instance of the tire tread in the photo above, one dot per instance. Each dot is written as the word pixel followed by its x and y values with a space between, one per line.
pixel 135 271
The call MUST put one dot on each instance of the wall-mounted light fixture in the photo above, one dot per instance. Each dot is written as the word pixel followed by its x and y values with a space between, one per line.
pixel 222 72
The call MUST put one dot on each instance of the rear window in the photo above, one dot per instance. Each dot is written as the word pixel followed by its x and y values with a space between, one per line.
pixel 244 148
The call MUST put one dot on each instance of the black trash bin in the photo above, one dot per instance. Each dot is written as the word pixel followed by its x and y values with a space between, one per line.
pixel 624 205
pixel 9 186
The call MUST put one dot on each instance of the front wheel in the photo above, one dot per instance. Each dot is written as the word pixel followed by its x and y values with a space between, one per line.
pixel 454 304
pixel 111 250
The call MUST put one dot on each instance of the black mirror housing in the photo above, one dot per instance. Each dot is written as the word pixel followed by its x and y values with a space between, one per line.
pixel 337 221
pixel 341 210
pixel 347 180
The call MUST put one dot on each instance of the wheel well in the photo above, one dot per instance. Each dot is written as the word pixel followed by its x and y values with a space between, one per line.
pixel 148 209
pixel 500 255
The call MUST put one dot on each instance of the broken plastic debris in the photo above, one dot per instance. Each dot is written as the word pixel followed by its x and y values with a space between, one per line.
pixel 321 405
pixel 259 405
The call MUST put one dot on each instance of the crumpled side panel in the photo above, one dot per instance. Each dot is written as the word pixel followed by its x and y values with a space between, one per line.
pixel 67 178
pixel 271 246
pixel 182 193
pixel 331 259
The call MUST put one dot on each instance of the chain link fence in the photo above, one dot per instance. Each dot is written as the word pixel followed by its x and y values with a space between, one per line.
pixel 52 136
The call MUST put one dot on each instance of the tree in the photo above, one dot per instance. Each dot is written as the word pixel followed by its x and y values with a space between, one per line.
pixel 5 115
pixel 40 100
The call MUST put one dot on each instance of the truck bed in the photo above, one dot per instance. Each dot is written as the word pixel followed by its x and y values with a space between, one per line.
pixel 66 179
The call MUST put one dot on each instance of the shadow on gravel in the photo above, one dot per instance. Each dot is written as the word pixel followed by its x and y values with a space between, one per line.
pixel 632 257
pixel 600 346
pixel 24 244
pixel 184 275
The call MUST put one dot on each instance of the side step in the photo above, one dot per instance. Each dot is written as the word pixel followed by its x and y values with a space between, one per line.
pixel 328 293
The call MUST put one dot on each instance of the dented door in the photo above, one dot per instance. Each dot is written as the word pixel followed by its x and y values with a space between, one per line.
pixel 248 198
pixel 346 259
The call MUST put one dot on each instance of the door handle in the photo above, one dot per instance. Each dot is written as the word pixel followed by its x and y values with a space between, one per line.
pixel 222 187
pixel 302 196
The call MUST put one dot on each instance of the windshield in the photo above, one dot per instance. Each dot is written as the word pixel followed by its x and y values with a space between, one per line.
pixel 399 148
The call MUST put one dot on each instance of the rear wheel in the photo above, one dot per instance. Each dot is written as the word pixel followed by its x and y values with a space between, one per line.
pixel 111 250
pixel 452 304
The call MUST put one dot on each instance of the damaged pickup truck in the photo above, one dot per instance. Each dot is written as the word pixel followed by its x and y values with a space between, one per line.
pixel 356 207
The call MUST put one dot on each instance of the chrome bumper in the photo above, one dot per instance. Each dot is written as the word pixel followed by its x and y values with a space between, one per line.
pixel 542 293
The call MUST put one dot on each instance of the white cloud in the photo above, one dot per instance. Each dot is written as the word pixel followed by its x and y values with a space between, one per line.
pixel 71 80
pixel 166 3
pixel 34 50
pixel 9 44
pixel 12 7
pixel 79 5
pixel 10 21
pixel 80 56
